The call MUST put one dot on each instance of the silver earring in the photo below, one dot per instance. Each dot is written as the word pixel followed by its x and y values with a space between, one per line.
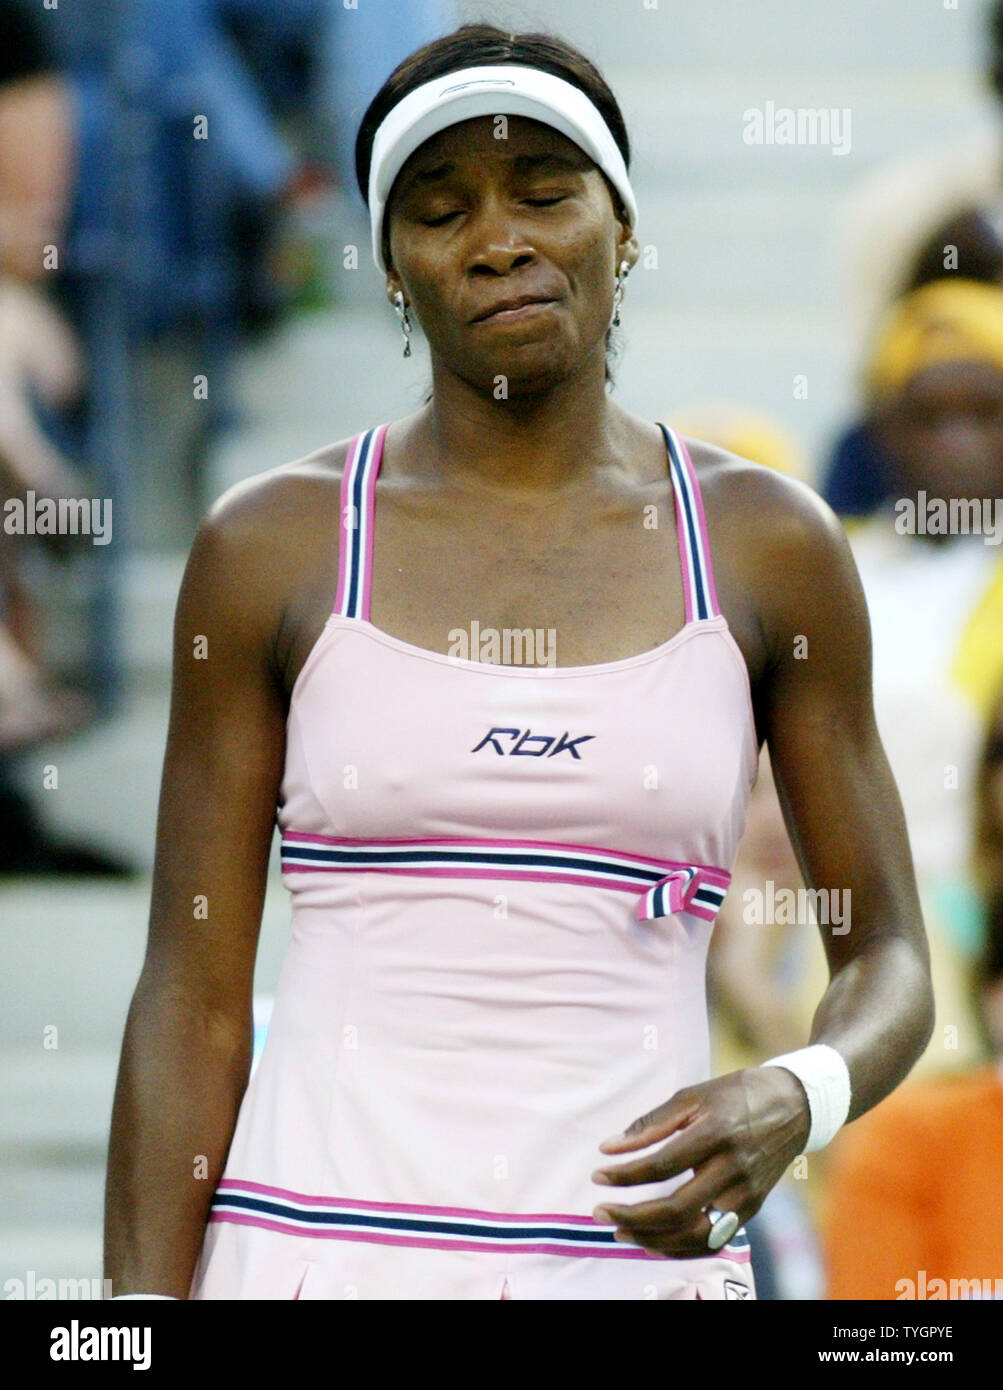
pixel 621 275
pixel 401 309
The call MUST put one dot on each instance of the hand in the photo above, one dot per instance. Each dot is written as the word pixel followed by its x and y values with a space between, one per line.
pixel 738 1133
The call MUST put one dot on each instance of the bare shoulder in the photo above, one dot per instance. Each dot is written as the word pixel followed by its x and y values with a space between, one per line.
pixel 266 552
pixel 780 513
pixel 782 562
pixel 279 503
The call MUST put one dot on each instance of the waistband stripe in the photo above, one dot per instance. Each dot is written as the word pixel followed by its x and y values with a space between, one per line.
pixel 436 1227
pixel 665 886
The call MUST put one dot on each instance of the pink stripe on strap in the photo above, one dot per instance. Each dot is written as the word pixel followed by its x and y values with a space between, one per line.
pixel 683 542
pixel 369 506
pixel 708 566
pixel 355 540
pixel 347 523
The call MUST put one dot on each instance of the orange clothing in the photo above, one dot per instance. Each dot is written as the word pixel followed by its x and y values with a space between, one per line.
pixel 915 1193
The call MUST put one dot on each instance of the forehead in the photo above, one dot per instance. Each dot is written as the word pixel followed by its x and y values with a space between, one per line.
pixel 518 143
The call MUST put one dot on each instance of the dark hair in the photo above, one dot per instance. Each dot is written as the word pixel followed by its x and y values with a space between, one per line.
pixel 977 234
pixel 479 45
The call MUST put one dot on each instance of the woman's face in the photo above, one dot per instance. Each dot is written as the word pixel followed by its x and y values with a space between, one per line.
pixel 495 208
pixel 944 431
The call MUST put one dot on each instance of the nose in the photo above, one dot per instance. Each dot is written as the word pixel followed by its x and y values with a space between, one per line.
pixel 498 239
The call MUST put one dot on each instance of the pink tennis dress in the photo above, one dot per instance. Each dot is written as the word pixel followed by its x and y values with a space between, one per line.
pixel 504 881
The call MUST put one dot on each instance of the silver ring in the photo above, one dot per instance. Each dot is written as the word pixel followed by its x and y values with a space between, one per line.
pixel 724 1224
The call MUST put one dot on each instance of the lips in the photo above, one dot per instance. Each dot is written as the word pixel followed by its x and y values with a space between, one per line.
pixel 517 303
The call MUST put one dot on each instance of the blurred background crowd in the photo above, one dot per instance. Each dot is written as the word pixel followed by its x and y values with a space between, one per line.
pixel 187 297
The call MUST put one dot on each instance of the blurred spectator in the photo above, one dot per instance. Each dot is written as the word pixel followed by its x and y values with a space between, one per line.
pixel 166 271
pixel 897 209
pixel 172 154
pixel 931 563
pixel 935 384
pixel 914 1206
pixel 212 133
pixel 968 246
pixel 39 362
pixel 929 215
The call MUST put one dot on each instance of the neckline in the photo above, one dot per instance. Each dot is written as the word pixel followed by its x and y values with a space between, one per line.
pixel 358 510
pixel 702 611
pixel 718 623
pixel 355 564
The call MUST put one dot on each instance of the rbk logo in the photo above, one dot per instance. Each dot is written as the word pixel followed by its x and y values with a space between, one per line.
pixel 530 745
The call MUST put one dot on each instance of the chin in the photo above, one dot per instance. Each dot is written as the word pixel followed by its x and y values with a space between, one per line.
pixel 523 378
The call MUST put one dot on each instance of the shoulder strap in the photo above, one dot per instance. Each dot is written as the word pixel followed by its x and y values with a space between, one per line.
pixel 355 549
pixel 691 528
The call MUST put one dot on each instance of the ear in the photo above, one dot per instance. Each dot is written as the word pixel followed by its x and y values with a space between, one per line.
pixel 394 285
pixel 627 247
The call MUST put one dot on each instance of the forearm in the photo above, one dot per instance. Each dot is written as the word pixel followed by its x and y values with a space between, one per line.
pixel 878 1013
pixel 180 1083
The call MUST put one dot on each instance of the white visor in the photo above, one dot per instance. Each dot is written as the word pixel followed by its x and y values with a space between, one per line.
pixel 505 89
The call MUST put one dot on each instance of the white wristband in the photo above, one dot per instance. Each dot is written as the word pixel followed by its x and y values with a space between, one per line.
pixel 826 1079
pixel 145 1295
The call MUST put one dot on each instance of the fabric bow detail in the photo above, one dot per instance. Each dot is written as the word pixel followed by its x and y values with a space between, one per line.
pixel 669 895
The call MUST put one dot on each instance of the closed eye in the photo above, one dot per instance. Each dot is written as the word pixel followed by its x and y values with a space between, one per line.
pixel 533 202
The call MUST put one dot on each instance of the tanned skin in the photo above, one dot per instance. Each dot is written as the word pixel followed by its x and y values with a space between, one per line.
pixel 526 512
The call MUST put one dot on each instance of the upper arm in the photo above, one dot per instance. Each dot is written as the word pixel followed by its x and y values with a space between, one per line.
pixel 222 770
pixel 838 795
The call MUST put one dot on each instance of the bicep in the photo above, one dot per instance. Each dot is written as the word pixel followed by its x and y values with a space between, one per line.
pixel 222 769
pixel 838 795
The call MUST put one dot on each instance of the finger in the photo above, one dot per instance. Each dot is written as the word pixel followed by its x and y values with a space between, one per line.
pixel 689 1238
pixel 687 1243
pixel 680 1210
pixel 675 1114
pixel 683 1150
